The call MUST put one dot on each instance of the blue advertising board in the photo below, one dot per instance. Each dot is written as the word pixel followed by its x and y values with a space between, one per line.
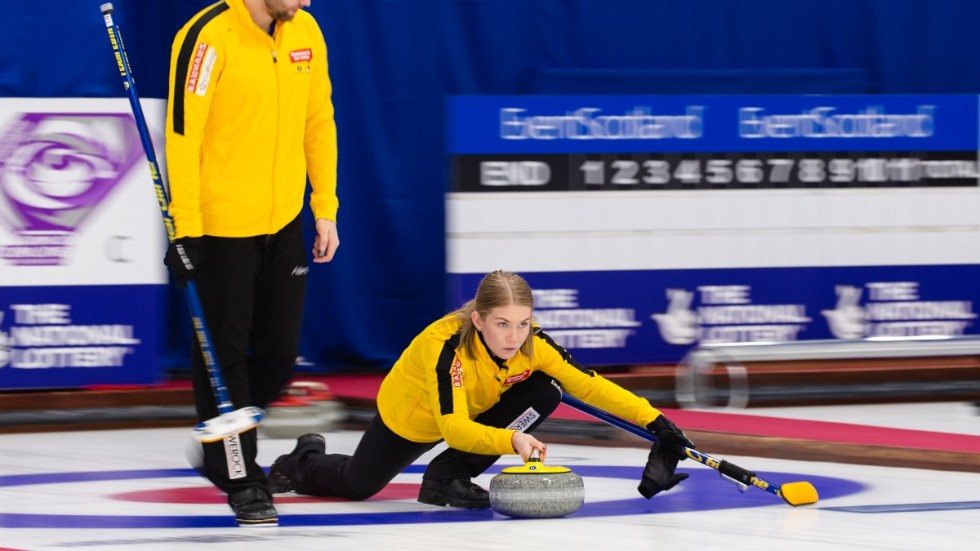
pixel 621 124
pixel 61 337
pixel 621 318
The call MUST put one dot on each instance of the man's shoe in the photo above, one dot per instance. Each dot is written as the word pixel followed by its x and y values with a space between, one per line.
pixel 253 507
pixel 283 468
pixel 455 492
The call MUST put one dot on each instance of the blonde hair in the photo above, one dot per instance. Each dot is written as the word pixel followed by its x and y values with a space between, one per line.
pixel 498 288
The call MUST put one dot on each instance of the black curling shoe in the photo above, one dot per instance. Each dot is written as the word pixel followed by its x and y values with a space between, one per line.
pixel 253 507
pixel 282 471
pixel 455 492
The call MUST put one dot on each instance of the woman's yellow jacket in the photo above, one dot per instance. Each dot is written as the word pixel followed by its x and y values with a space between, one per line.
pixel 435 390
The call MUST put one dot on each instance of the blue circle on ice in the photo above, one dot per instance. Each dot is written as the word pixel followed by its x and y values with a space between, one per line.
pixel 703 491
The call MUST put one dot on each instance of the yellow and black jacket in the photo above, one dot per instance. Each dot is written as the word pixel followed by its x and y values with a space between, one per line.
pixel 435 389
pixel 249 117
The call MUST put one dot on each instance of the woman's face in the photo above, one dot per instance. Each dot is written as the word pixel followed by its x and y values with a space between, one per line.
pixel 504 329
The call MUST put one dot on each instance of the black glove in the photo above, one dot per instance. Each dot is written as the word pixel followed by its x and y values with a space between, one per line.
pixel 672 438
pixel 183 257
pixel 658 475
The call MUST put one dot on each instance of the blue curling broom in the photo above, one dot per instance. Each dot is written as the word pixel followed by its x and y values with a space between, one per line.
pixel 229 420
pixel 793 493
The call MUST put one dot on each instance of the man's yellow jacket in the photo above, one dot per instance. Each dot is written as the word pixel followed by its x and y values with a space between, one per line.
pixel 249 117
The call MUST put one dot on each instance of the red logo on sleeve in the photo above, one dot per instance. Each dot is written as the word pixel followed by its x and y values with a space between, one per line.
pixel 195 71
pixel 456 371
pixel 299 56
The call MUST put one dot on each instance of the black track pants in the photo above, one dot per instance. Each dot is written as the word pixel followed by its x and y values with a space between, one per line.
pixel 381 454
pixel 252 292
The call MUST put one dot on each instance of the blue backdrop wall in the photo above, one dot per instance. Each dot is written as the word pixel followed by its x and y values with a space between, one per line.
pixel 394 61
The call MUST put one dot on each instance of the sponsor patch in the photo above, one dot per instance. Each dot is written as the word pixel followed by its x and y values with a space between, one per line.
pixel 299 56
pixel 525 420
pixel 517 378
pixel 456 371
pixel 233 456
pixel 195 71
pixel 205 77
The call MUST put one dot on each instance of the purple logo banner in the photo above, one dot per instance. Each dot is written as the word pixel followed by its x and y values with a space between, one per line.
pixel 55 169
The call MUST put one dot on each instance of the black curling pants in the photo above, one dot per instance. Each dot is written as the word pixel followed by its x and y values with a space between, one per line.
pixel 381 454
pixel 252 291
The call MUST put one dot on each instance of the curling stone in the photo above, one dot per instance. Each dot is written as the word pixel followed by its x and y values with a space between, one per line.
pixel 304 407
pixel 536 490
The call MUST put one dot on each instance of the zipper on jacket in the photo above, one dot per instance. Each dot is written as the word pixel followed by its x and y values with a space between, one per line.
pixel 275 141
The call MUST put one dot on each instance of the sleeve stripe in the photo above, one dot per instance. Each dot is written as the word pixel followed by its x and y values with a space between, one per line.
pixel 184 60
pixel 444 378
pixel 564 354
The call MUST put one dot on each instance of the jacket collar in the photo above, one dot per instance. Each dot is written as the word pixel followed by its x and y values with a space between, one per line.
pixel 244 19
pixel 500 363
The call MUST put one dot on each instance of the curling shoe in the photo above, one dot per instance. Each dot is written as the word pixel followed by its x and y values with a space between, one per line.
pixel 455 492
pixel 253 507
pixel 283 469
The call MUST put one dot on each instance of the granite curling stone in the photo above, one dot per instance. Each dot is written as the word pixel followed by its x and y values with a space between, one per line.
pixel 304 407
pixel 536 490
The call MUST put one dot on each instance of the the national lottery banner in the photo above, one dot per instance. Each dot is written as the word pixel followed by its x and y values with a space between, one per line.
pixel 81 243
pixel 648 225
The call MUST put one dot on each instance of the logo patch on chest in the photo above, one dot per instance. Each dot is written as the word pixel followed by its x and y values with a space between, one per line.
pixel 299 56
pixel 517 378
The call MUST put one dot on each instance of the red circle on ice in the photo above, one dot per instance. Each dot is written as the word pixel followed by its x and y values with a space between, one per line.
pixel 210 494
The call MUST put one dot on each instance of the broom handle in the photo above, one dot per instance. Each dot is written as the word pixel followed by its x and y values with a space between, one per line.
pixel 729 470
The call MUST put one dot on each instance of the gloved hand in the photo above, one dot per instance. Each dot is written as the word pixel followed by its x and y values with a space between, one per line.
pixel 184 256
pixel 658 475
pixel 672 439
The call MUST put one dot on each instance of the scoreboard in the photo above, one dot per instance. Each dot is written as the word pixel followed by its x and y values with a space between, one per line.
pixel 714 142
pixel 650 224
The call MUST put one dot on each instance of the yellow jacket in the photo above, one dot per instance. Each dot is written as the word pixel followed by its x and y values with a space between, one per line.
pixel 249 117
pixel 435 389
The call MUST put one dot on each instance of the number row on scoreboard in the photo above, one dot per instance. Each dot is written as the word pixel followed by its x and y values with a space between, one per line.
pixel 725 171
